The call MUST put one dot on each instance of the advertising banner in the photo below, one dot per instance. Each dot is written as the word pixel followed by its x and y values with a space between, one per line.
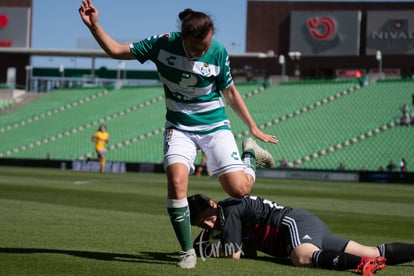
pixel 325 33
pixel 391 32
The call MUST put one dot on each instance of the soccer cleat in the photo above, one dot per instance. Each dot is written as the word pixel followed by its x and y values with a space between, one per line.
pixel 369 265
pixel 263 157
pixel 188 259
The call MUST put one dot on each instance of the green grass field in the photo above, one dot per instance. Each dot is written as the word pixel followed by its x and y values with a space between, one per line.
pixel 55 222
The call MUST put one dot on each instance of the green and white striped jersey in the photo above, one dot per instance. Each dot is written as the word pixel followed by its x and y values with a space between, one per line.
pixel 192 86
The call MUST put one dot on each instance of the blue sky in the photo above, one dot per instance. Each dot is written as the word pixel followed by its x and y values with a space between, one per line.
pixel 56 24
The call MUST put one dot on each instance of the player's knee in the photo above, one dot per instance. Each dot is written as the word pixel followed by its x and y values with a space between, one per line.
pixel 301 256
pixel 301 261
pixel 238 191
pixel 236 184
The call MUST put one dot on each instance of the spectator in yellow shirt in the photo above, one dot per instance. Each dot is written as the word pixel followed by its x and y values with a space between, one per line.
pixel 101 138
pixel 203 166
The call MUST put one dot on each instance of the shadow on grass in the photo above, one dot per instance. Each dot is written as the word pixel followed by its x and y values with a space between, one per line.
pixel 271 259
pixel 142 257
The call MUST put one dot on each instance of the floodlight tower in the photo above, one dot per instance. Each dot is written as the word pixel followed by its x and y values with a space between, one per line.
pixel 282 62
pixel 378 56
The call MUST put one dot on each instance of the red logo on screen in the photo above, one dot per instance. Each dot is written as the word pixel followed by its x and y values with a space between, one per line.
pixel 321 28
pixel 3 21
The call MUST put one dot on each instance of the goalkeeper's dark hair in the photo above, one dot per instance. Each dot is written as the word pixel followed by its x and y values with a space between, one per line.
pixel 197 203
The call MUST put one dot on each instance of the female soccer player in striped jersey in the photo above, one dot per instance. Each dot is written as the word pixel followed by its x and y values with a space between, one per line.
pixel 195 71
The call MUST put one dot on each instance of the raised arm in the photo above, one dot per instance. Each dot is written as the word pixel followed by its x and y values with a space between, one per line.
pixel 236 102
pixel 90 15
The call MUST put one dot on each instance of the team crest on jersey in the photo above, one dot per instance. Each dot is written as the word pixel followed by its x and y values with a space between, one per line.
pixel 205 69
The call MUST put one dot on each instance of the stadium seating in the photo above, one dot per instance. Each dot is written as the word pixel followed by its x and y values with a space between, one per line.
pixel 345 119
pixel 319 123
pixel 5 103
pixel 70 140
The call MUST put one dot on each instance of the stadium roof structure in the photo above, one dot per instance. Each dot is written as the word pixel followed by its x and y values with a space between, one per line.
pixel 55 52
pixel 97 53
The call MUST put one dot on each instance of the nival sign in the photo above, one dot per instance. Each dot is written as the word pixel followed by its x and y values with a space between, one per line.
pixel 15 27
pixel 391 32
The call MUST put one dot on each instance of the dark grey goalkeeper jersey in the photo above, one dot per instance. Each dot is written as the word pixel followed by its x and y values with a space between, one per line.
pixel 253 219
pixel 271 228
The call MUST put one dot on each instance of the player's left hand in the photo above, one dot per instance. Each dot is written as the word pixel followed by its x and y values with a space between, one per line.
pixel 267 138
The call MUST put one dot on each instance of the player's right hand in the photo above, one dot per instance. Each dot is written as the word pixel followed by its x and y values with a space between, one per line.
pixel 88 13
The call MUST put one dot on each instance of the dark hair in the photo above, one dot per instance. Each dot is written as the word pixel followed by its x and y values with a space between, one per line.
pixel 197 203
pixel 195 24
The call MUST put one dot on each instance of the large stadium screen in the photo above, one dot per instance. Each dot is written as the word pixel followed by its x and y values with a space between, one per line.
pixel 325 33
pixel 15 27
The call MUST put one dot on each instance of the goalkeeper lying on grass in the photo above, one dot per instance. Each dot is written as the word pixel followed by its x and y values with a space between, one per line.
pixel 246 225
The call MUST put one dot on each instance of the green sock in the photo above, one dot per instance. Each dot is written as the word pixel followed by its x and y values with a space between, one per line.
pixel 249 159
pixel 180 220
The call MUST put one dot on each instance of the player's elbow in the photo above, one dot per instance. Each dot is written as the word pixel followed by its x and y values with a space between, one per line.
pixel 119 51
